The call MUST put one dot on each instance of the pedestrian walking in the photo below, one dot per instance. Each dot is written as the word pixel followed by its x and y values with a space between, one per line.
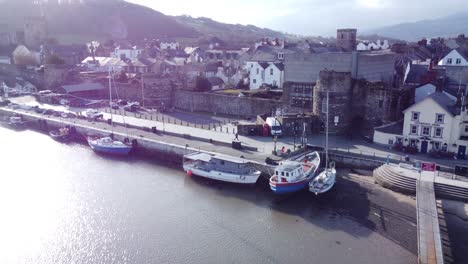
pixel 237 136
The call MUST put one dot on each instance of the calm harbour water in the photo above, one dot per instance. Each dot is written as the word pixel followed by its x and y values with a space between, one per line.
pixel 64 204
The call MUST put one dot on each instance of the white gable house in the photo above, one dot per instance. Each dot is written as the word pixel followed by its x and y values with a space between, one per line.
pixel 435 124
pixel 456 57
pixel 267 73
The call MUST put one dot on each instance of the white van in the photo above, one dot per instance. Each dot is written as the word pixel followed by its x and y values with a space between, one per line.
pixel 275 126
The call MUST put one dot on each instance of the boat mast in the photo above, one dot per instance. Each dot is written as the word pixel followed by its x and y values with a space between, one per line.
pixel 326 133
pixel 110 100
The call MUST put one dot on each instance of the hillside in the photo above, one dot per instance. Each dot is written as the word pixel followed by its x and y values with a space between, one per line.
pixel 117 19
pixel 105 19
pixel 227 32
pixel 443 27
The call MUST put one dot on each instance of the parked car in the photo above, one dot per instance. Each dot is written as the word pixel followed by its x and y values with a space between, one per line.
pixel 115 106
pixel 122 102
pixel 93 113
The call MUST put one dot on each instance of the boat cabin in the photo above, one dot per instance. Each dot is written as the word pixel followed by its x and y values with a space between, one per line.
pixel 289 172
pixel 210 162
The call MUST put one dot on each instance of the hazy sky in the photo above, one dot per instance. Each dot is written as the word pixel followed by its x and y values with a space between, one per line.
pixel 310 17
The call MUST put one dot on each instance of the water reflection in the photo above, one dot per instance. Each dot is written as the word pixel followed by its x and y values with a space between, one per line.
pixel 64 204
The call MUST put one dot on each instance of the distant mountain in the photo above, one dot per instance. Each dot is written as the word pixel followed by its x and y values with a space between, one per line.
pixel 118 19
pixel 450 26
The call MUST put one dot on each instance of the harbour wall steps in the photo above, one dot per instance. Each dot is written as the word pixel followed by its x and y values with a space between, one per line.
pixel 403 179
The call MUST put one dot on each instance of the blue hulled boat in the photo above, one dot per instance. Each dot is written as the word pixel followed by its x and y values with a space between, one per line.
pixel 295 174
pixel 107 145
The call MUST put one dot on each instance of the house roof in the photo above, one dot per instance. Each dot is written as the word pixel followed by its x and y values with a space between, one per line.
pixel 393 128
pixel 463 53
pixel 417 71
pixel 264 65
pixel 106 61
pixel 216 81
pixel 280 66
pixel 442 100
pixel 82 87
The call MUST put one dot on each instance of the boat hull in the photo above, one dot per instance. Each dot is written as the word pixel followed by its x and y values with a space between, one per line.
pixel 319 188
pixel 284 188
pixel 110 150
pixel 58 137
pixel 223 176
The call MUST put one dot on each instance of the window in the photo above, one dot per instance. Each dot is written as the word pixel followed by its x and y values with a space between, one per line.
pixel 437 145
pixel 414 130
pixel 251 65
pixel 271 71
pixel 276 173
pixel 438 132
pixel 254 80
pixel 466 129
pixel 458 61
pixel 449 61
pixel 282 173
pixel 415 116
pixel 280 56
pixel 440 118
pixel 258 71
pixel 390 142
pixel 413 142
pixel 426 131
pixel 380 103
pixel 399 140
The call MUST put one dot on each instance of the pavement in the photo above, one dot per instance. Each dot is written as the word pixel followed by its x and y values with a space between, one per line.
pixel 224 129
pixel 266 145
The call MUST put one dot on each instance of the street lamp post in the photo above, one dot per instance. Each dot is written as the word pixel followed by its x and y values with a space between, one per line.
pixel 275 139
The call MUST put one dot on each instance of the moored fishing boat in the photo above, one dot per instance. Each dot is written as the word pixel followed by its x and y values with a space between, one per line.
pixel 220 167
pixel 61 134
pixel 295 174
pixel 15 122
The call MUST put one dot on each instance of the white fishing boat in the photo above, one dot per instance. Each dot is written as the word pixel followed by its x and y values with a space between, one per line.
pixel 107 145
pixel 220 167
pixel 326 179
pixel 15 122
pixel 295 174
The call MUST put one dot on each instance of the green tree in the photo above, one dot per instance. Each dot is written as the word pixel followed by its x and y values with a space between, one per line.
pixel 54 59
pixel 202 84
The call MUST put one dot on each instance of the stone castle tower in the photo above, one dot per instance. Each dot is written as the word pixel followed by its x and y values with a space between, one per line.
pixel 339 85
pixel 35 31
pixel 346 39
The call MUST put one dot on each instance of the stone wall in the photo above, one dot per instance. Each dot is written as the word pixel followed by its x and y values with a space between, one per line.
pixel 339 85
pixel 223 104
pixel 33 76
pixel 359 105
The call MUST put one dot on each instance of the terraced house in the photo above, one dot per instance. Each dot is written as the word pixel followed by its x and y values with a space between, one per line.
pixel 437 123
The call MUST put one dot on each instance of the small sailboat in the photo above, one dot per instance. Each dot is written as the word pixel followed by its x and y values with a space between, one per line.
pixel 107 145
pixel 220 167
pixel 326 179
pixel 295 174
pixel 61 134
